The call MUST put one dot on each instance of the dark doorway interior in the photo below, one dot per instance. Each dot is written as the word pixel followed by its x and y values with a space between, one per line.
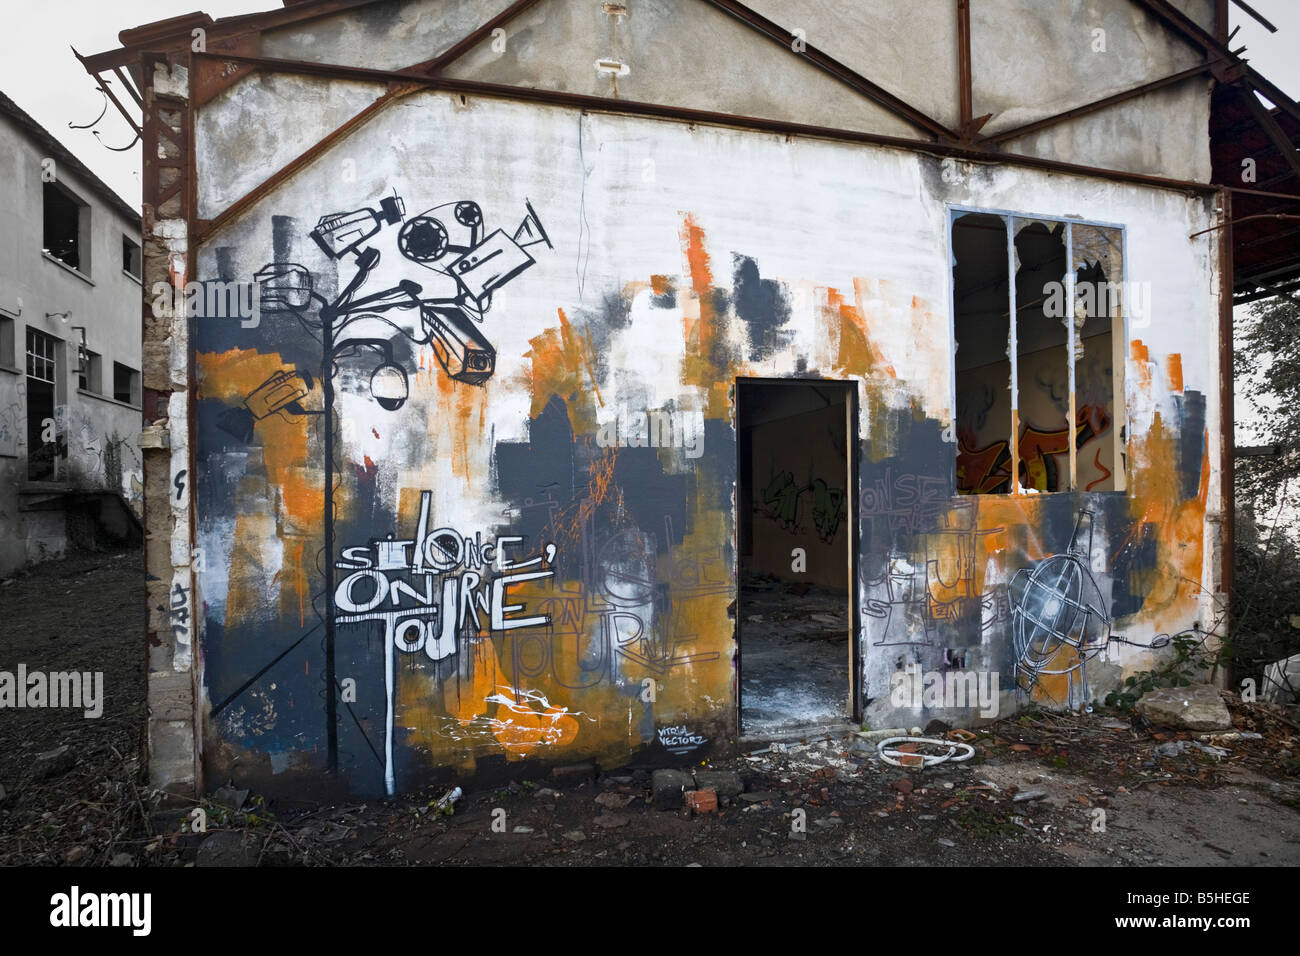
pixel 795 497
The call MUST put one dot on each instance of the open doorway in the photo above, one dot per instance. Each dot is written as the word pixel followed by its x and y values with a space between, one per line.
pixel 797 621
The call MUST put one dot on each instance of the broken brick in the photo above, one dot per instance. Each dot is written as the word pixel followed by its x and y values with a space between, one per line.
pixel 702 801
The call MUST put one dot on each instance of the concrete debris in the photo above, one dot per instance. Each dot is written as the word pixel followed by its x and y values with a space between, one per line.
pixel 53 762
pixel 614 801
pixel 725 783
pixel 1027 795
pixel 668 787
pixel 1175 748
pixel 1194 707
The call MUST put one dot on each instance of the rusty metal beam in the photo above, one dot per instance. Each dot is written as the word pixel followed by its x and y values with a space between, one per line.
pixel 602 104
pixel 1256 15
pixel 1095 105
pixel 1281 142
pixel 965 91
pixel 180 38
pixel 1227 411
pixel 1176 21
pixel 205 228
pixel 1277 97
pixel 1228 67
pixel 125 80
pixel 104 88
pixel 855 81
pixel 443 60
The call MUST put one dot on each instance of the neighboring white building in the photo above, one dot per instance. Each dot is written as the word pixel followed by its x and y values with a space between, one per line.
pixel 69 350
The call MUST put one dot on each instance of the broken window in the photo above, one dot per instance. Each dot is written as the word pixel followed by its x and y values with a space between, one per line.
pixel 7 359
pixel 67 228
pixel 1039 361
pixel 126 384
pixel 130 257
pixel 89 371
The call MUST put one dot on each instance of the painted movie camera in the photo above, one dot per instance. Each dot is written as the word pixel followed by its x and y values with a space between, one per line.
pixel 430 277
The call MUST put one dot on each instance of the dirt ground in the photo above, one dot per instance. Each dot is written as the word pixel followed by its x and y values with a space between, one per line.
pixel 1093 790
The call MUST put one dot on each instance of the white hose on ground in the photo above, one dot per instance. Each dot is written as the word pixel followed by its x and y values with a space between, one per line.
pixel 929 760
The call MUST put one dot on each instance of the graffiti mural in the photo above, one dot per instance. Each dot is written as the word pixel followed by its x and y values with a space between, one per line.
pixel 1059 619
pixel 987 470
pixel 431 591
pixel 924 602
pixel 781 501
pixel 437 544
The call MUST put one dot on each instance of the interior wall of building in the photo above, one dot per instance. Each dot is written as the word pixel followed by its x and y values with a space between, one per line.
pixel 798 475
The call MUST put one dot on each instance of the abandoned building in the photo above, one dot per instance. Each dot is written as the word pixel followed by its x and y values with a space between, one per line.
pixel 532 382
pixel 70 260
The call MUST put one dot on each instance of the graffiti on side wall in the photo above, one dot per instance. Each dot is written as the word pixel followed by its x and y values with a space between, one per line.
pixel 782 498
pixel 407 283
pixel 987 470
pixel 433 590
pixel 1059 620
pixel 917 599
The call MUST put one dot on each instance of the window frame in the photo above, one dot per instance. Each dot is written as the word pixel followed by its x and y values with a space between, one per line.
pixel 138 275
pixel 134 400
pixel 30 358
pixel 92 374
pixel 1120 422
pixel 85 228
pixel 9 343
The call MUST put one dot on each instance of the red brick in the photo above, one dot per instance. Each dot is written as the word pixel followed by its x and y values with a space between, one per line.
pixel 702 801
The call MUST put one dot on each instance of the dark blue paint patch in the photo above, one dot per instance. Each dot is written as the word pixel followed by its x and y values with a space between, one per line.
pixel 763 305
pixel 1191 447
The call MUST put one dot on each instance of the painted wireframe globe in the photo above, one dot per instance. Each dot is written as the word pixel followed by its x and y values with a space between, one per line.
pixel 1054 606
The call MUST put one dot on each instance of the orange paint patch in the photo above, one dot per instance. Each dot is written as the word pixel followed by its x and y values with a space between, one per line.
pixel 706 364
pixel 562 367
pixel 1142 358
pixel 229 376
pixel 1175 365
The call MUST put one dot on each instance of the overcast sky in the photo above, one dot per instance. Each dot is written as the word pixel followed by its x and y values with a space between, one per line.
pixel 39 72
